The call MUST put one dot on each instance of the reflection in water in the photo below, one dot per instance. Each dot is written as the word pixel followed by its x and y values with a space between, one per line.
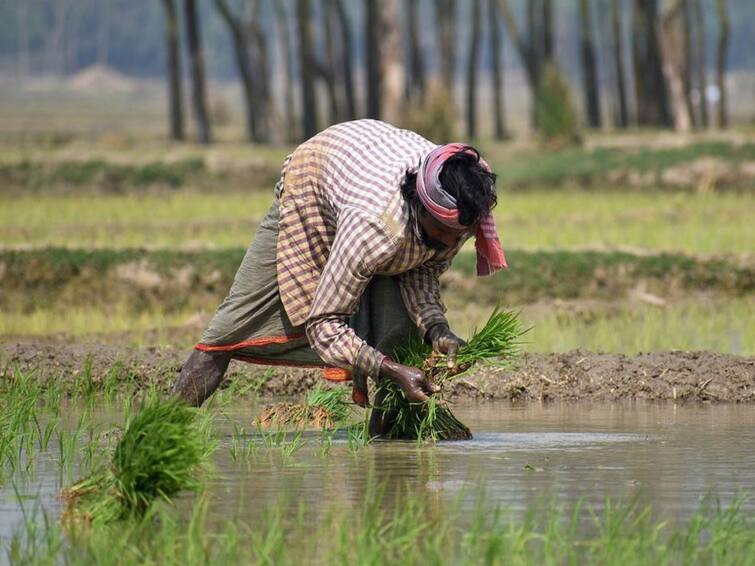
pixel 670 456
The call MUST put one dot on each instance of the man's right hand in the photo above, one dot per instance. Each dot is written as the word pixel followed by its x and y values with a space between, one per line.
pixel 412 381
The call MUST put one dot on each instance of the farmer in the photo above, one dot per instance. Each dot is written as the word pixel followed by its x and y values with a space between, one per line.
pixel 345 265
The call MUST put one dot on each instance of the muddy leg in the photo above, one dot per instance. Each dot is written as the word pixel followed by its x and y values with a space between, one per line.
pixel 200 376
pixel 380 421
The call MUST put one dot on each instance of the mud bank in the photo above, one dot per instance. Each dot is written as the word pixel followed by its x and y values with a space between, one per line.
pixel 573 376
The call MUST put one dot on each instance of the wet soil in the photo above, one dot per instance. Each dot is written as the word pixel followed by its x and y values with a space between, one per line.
pixel 574 376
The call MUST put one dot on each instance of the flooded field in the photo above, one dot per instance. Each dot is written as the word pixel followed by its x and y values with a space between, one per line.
pixel 670 457
pixel 666 455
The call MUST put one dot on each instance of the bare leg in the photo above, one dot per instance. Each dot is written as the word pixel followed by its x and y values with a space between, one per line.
pixel 200 376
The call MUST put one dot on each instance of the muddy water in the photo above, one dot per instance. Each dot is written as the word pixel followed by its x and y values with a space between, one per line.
pixel 670 456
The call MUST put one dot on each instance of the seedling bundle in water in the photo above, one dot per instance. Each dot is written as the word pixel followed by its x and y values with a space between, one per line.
pixel 323 408
pixel 497 342
pixel 163 450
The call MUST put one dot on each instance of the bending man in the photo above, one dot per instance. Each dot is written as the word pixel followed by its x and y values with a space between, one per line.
pixel 345 265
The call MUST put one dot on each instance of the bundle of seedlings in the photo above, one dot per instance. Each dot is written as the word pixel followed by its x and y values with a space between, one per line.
pixel 323 408
pixel 163 450
pixel 497 343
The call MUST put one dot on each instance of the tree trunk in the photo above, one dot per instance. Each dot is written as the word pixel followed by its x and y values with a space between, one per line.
pixel 688 60
pixel 472 66
pixel 372 55
pixel 284 36
pixel 104 17
pixel 674 58
pixel 415 78
pixel 650 84
pixel 22 23
pixel 392 69
pixel 329 64
pixel 547 30
pixel 723 46
pixel 618 60
pixel 240 41
pixel 446 24
pixel 263 108
pixel 306 60
pixel 348 60
pixel 175 88
pixel 496 50
pixel 700 64
pixel 589 67
pixel 196 61
pixel 56 46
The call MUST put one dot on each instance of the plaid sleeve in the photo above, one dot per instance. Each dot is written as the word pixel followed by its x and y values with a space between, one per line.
pixel 420 290
pixel 361 244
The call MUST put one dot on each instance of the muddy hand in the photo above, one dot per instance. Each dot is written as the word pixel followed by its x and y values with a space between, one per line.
pixel 444 342
pixel 412 381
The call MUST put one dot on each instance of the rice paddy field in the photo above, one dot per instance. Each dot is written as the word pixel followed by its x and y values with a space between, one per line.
pixel 621 434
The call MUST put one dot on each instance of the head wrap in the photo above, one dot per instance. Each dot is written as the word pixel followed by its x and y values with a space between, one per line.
pixel 442 206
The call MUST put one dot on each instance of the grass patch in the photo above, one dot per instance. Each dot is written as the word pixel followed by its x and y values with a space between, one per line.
pixel 418 531
pixel 554 168
pixel 113 290
pixel 542 219
pixel 163 450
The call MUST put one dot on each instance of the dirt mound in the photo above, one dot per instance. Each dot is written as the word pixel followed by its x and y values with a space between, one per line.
pixel 102 78
pixel 573 376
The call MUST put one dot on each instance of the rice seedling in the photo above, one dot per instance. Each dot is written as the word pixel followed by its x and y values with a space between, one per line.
pixel 163 450
pixel 497 342
pixel 323 409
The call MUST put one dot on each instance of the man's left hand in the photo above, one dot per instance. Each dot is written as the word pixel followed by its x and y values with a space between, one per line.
pixel 445 342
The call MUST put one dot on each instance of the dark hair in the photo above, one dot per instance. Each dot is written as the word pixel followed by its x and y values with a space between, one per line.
pixel 465 179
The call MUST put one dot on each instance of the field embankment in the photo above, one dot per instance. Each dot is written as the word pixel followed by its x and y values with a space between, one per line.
pixel 573 376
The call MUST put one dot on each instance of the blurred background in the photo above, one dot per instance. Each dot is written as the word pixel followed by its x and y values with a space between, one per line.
pixel 140 141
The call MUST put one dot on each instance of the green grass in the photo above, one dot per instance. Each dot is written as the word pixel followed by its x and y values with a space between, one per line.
pixel 419 531
pixel 542 219
pixel 163 450
pixel 577 165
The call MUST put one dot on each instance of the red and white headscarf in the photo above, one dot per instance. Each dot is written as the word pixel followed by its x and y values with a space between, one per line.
pixel 490 256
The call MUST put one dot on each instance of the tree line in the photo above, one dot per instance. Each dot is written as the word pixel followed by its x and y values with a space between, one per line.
pixel 667 54
pixel 650 60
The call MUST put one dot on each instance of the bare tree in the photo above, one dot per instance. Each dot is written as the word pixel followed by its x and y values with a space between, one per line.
pixel 329 68
pixel 589 66
pixel 700 63
pixel 723 46
pixel 196 59
pixel 306 66
pixel 496 50
pixel 175 90
pixel 284 37
pixel 372 56
pixel 618 60
pixel 472 66
pixel 392 68
pixel 415 78
pixel 445 17
pixel 249 46
pixel 650 85
pixel 22 24
pixel 674 60
pixel 347 60
pixel 536 49
pixel 104 19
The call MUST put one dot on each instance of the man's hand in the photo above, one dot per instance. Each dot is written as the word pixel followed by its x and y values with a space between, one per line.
pixel 412 381
pixel 444 342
